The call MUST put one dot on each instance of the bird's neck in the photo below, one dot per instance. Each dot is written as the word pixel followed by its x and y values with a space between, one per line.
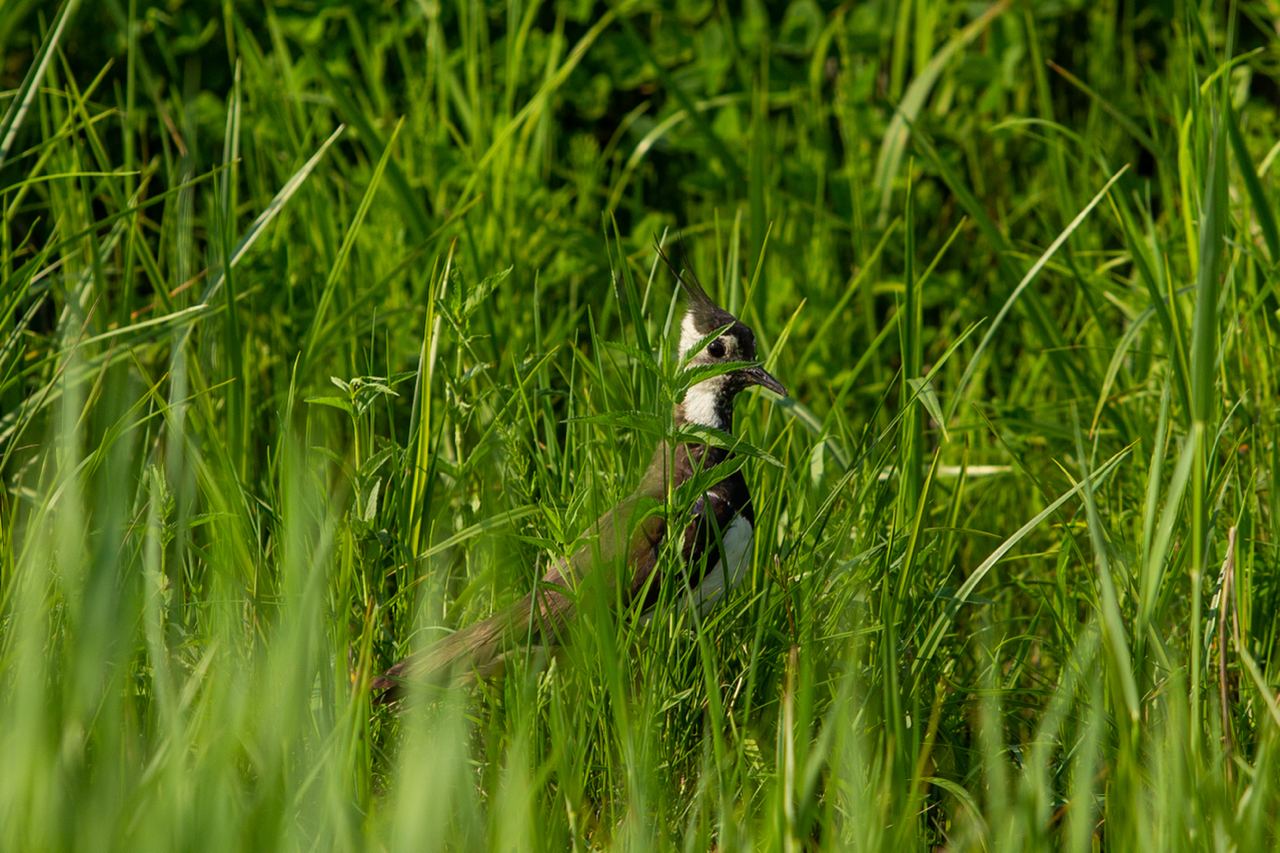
pixel 706 404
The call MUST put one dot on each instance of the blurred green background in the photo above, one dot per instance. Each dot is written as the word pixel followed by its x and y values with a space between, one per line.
pixel 326 324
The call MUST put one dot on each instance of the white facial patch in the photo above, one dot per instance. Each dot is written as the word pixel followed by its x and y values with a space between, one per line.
pixel 703 403
pixel 689 335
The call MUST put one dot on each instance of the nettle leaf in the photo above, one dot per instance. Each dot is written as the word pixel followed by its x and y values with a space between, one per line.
pixel 364 391
pixel 377 460
pixel 687 493
pixel 460 307
pixel 690 376
pixel 373 384
pixel 371 505
pixel 474 371
pixel 332 402
pixel 719 438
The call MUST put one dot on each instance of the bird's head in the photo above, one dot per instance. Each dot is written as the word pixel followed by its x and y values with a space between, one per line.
pixel 710 335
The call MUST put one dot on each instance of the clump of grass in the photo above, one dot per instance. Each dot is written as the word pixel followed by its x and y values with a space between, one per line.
pixel 323 329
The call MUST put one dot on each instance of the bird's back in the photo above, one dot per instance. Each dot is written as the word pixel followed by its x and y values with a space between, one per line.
pixel 623 547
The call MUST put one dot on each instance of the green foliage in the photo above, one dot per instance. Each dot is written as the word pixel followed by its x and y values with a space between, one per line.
pixel 324 326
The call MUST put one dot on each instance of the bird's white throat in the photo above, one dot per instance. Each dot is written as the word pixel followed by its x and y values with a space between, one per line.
pixel 702 404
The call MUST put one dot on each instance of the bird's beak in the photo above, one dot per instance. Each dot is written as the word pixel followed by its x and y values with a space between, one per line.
pixel 757 375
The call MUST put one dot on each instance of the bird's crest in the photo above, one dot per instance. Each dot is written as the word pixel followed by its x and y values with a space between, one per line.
pixel 706 314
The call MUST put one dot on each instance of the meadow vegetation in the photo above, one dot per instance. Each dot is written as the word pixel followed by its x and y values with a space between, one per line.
pixel 325 325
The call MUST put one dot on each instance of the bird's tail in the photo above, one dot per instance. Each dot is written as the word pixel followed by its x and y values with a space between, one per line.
pixel 472 650
pixel 478 650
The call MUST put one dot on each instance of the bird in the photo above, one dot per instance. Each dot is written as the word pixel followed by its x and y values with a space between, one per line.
pixel 715 538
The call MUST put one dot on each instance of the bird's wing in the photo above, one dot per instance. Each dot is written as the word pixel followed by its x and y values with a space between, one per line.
pixel 710 517
pixel 628 535
pixel 622 546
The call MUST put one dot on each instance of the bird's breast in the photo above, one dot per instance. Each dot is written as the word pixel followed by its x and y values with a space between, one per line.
pixel 736 543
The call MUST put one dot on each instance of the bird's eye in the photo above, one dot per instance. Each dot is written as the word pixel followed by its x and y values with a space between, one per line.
pixel 716 348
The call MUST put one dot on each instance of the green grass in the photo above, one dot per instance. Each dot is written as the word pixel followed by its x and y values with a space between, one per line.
pixel 326 326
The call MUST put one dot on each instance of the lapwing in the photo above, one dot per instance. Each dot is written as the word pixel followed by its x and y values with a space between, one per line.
pixel 624 545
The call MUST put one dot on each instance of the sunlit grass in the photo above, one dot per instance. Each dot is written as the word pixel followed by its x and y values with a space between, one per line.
pixel 322 332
